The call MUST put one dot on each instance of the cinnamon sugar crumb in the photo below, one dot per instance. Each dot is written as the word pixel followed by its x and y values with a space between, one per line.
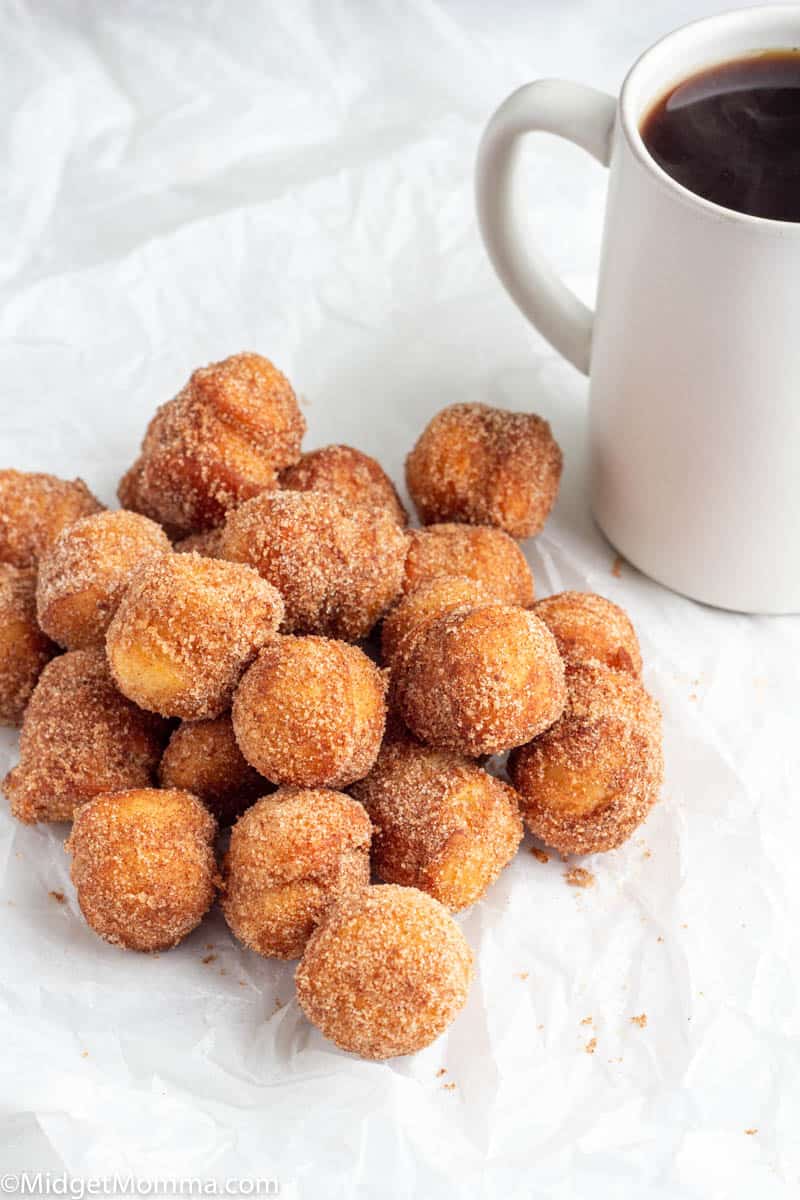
pixel 750 1132
pixel 579 877
pixel 591 1046
pixel 442 1071
pixel 641 1020
pixel 587 1021
pixel 59 897
pixel 540 855
pixel 523 975
pixel 209 958
pixel 449 1087
pixel 616 566
pixel 84 1053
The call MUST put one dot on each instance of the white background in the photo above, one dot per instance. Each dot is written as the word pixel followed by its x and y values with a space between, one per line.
pixel 182 181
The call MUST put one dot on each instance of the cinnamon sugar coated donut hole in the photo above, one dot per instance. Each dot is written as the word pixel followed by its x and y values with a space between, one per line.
pixel 186 629
pixel 143 866
pixel 349 474
pixel 206 542
pixel 589 627
pixel 34 508
pixel 442 824
pixel 433 598
pixel 221 440
pixel 338 567
pixel 310 712
pixel 80 737
pixel 24 649
pixel 385 973
pixel 292 856
pixel 203 757
pixel 481 553
pixel 480 681
pixel 485 466
pixel 84 573
pixel 591 779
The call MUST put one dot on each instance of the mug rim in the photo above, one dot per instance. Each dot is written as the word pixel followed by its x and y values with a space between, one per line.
pixel 629 120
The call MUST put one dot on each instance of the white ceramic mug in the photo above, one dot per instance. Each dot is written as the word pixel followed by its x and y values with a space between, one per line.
pixel 694 349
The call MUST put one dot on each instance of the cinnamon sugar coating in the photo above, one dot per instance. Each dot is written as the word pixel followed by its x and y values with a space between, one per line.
pixel 202 757
pixel 143 866
pixel 589 627
pixel 485 466
pixel 84 573
pixel 221 440
pixel 310 712
pixel 349 474
pixel 79 738
pixel 24 648
pixel 432 598
pixel 338 567
pixel 205 542
pixel 591 779
pixel 479 552
pixel 442 824
pixel 480 681
pixel 293 855
pixel 185 630
pixel 385 973
pixel 34 508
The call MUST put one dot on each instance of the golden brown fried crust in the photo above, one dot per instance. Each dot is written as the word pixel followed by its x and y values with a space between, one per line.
pixel 185 630
pixel 24 649
pixel 487 555
pixel 592 778
pixel 480 681
pixel 86 570
pixel 485 466
pixel 338 567
pixel 221 440
pixel 385 973
pixel 591 628
pixel 311 712
pixel 349 474
pixel 80 737
pixel 202 757
pixel 442 824
pixel 143 866
pixel 432 598
pixel 206 542
pixel 34 508
pixel 292 856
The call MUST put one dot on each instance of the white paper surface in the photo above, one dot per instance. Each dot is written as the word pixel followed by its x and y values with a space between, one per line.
pixel 182 181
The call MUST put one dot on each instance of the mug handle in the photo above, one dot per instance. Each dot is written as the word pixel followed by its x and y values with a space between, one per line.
pixel 581 115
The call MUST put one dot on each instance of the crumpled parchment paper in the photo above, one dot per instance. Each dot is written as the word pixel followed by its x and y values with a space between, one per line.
pixel 184 181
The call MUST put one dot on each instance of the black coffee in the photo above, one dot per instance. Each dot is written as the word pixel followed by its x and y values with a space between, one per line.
pixel 731 134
